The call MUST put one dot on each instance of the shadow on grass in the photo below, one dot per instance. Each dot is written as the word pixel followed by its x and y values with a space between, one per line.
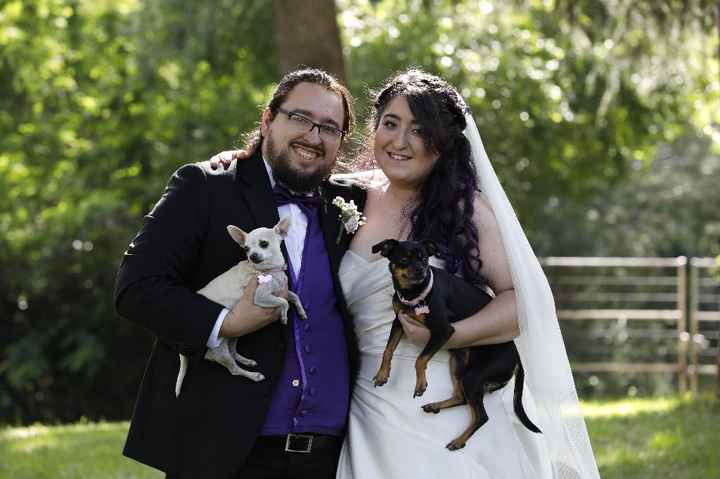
pixel 656 438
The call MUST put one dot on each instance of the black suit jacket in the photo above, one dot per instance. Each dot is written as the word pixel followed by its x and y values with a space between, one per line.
pixel 210 428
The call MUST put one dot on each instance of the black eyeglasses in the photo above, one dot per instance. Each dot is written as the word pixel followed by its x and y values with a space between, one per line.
pixel 306 125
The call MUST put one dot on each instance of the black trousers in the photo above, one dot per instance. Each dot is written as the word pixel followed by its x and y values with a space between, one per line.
pixel 269 460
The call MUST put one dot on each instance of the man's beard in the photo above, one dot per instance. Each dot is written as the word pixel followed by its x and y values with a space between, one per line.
pixel 284 173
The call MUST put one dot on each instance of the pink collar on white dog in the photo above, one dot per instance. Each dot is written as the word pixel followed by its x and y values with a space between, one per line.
pixel 265 276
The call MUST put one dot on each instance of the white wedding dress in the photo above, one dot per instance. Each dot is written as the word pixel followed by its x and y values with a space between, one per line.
pixel 390 436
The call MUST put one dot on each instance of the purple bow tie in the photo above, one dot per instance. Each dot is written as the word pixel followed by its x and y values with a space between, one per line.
pixel 284 196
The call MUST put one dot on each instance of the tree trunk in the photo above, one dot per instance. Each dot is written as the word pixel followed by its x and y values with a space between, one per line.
pixel 307 33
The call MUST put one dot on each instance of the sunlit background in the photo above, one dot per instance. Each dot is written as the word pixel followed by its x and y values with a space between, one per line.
pixel 602 118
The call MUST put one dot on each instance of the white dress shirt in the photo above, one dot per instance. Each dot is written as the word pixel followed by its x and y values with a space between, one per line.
pixel 294 242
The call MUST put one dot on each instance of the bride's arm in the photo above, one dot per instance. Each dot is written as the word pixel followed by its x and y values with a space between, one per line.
pixel 497 322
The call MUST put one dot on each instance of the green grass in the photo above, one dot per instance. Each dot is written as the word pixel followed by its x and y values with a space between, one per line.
pixel 77 451
pixel 668 438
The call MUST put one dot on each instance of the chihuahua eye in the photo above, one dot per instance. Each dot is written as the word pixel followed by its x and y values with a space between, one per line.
pixel 264 244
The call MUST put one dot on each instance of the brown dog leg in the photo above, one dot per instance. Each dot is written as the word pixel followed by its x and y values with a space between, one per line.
pixel 437 339
pixel 396 334
pixel 478 418
pixel 458 397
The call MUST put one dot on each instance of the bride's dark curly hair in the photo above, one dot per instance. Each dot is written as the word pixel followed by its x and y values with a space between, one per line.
pixel 445 209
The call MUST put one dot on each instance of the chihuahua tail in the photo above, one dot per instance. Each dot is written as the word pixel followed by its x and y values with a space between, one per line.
pixel 517 400
pixel 181 374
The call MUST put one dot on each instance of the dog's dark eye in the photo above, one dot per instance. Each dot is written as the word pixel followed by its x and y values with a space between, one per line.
pixel 264 244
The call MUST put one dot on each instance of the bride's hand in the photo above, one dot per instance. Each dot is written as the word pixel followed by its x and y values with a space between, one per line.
pixel 415 331
pixel 225 158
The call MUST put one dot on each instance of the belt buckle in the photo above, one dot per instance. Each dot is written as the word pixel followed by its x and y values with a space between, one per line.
pixel 298 443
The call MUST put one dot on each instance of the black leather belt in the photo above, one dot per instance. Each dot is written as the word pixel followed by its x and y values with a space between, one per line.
pixel 301 443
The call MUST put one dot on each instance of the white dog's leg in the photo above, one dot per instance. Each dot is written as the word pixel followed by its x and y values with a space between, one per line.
pixel 181 374
pixel 232 345
pixel 295 300
pixel 265 299
pixel 222 355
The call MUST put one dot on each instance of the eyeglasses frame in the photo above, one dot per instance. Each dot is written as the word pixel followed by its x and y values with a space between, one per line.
pixel 314 124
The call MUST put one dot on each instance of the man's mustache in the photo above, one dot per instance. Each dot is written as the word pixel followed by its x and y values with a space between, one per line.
pixel 319 149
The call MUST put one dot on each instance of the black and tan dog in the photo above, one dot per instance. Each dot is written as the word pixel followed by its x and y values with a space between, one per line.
pixel 436 298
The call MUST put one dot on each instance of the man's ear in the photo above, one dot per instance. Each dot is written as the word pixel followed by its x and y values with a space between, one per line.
pixel 282 227
pixel 385 247
pixel 267 117
pixel 431 247
pixel 237 234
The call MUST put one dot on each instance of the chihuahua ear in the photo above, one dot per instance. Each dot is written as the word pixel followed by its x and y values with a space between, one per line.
pixel 282 227
pixel 431 247
pixel 237 234
pixel 385 247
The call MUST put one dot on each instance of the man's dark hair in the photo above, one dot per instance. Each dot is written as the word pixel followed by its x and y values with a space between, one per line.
pixel 316 76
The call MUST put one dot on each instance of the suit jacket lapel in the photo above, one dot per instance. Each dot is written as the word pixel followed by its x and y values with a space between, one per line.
pixel 255 188
pixel 330 224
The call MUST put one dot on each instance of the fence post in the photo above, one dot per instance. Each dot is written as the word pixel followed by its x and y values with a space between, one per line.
pixel 682 323
pixel 694 324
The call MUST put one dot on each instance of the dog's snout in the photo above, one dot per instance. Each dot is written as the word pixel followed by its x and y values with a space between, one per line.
pixel 255 258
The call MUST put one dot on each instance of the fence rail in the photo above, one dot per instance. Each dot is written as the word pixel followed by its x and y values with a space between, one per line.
pixel 671 290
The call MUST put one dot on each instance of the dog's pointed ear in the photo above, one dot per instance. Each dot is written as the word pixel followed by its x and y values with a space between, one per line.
pixel 431 247
pixel 282 227
pixel 237 234
pixel 385 247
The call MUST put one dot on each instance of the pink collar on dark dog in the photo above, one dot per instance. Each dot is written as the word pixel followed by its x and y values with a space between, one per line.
pixel 423 295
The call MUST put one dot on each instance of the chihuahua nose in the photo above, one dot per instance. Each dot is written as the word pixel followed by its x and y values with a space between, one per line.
pixel 255 258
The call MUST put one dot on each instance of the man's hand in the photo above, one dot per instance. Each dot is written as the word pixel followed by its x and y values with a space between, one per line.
pixel 246 317
pixel 225 158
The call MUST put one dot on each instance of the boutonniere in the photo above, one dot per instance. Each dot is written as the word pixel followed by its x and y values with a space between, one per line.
pixel 350 217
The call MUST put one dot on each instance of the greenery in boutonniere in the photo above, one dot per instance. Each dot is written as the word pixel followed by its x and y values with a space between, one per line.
pixel 350 217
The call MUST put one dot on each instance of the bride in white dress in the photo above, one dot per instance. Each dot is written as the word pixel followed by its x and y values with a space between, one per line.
pixel 419 119
pixel 389 435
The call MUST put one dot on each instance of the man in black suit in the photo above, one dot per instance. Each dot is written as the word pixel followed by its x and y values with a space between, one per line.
pixel 224 426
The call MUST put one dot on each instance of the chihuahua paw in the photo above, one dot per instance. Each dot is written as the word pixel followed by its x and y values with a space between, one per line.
pixel 420 390
pixel 246 362
pixel 257 377
pixel 431 408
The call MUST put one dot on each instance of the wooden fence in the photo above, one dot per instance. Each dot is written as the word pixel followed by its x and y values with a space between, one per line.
pixel 676 300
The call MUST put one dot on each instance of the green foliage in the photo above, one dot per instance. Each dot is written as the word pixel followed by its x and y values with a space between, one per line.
pixel 100 102
pixel 567 95
pixel 666 208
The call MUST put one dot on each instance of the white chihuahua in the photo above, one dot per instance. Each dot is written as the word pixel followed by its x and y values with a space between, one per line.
pixel 265 260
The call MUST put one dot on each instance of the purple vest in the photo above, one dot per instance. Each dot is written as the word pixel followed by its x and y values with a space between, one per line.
pixel 312 393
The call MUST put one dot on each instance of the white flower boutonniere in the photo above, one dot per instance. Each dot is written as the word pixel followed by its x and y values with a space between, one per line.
pixel 350 217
